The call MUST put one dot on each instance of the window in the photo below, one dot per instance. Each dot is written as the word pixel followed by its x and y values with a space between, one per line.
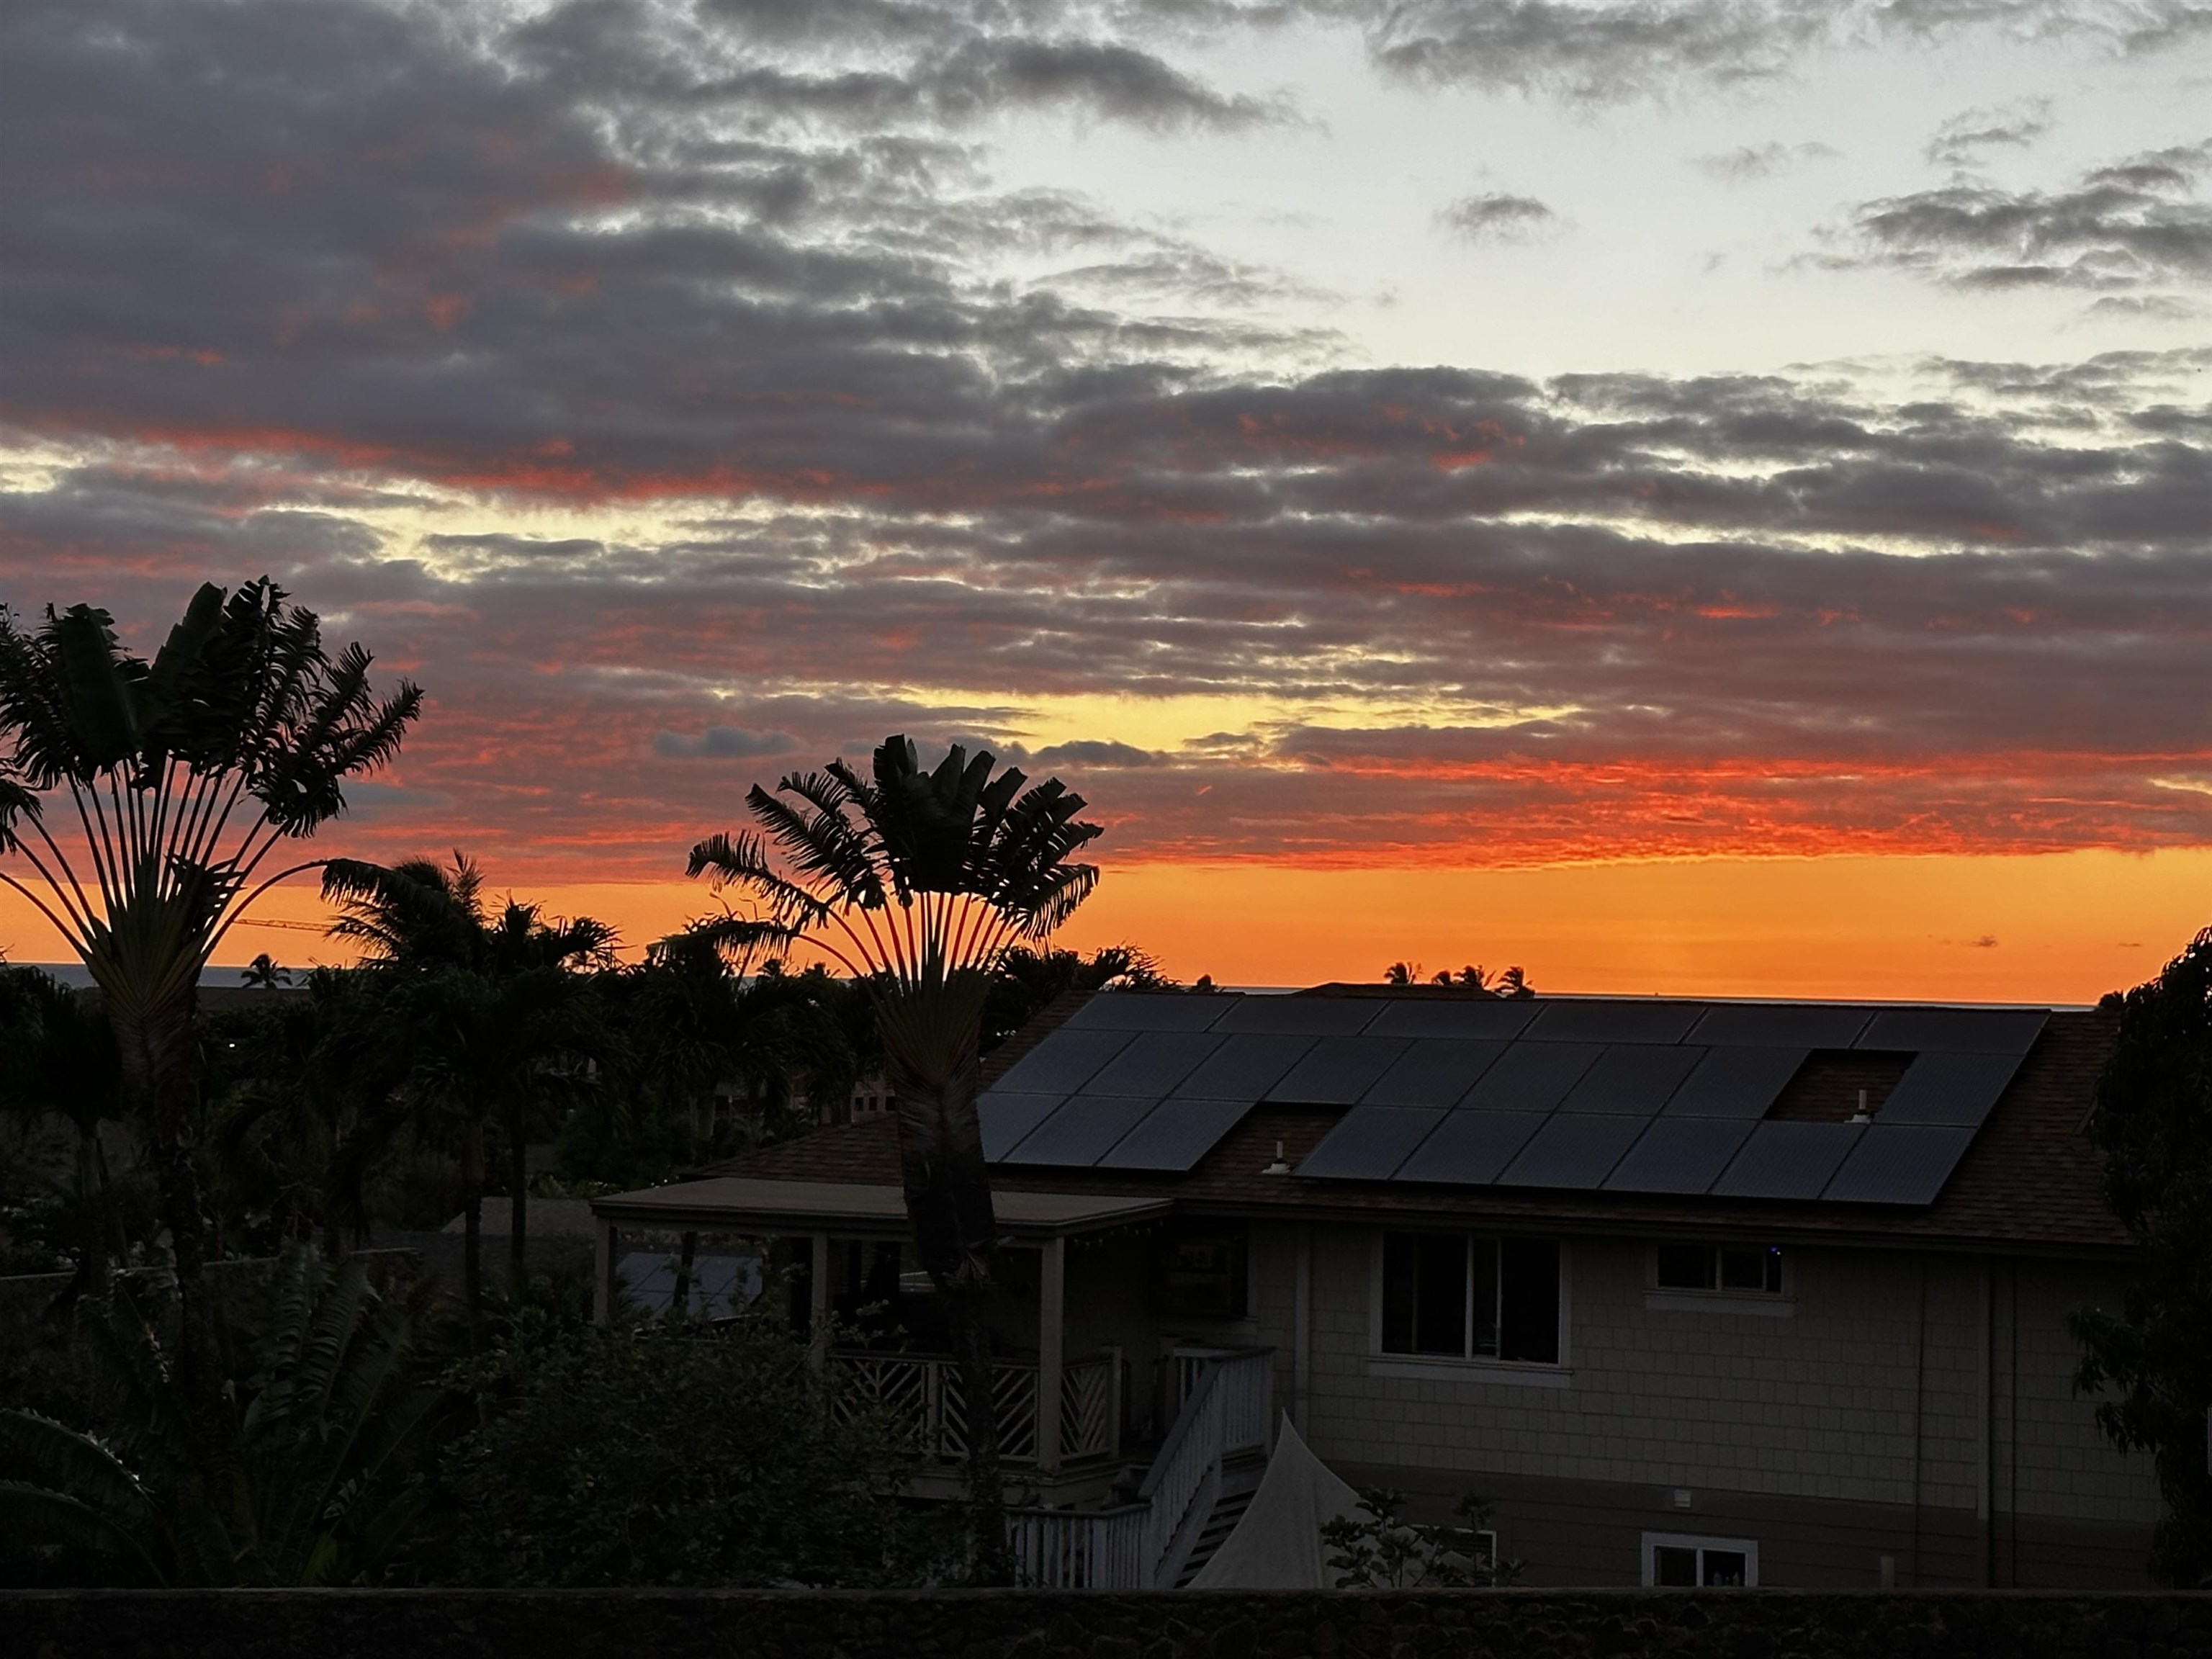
pixel 1453 1297
pixel 1752 1268
pixel 1673 1561
pixel 1202 1272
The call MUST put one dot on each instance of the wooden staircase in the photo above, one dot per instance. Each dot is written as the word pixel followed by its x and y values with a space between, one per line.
pixel 1227 1511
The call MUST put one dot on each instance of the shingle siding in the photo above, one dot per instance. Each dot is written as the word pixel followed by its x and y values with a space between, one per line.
pixel 1820 1405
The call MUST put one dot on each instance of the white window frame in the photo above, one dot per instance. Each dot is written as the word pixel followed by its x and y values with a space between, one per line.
pixel 1772 1305
pixel 1654 1542
pixel 1535 1373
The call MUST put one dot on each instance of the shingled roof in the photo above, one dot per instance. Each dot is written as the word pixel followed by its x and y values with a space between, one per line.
pixel 2030 1181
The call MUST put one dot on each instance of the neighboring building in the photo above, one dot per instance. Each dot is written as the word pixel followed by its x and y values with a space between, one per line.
pixel 1773 1293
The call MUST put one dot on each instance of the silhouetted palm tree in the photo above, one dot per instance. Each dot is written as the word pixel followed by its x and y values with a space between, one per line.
pixel 489 1005
pixel 184 774
pixel 918 882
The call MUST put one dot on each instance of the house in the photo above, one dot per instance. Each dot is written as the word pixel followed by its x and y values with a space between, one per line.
pixel 1693 1293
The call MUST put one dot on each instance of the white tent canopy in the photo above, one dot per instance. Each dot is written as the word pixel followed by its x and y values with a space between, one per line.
pixel 1277 1545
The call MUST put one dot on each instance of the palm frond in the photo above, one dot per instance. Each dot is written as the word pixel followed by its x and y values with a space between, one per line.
pixel 34 1519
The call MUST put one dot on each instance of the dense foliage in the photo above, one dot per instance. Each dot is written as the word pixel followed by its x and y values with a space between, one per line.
pixel 324 1418
pixel 678 1455
pixel 2151 1358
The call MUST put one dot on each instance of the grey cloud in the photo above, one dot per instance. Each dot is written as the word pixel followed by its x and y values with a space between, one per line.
pixel 1613 50
pixel 1588 52
pixel 1960 141
pixel 723 743
pixel 1752 162
pixel 1096 755
pixel 1497 216
pixel 2121 227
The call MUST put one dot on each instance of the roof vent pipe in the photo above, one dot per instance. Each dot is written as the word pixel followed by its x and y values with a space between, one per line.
pixel 1863 1116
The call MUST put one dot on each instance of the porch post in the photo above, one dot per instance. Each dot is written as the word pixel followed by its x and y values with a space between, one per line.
pixel 603 1271
pixel 1051 1305
pixel 1301 1336
pixel 817 1304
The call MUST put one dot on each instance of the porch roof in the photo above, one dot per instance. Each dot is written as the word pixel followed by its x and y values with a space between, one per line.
pixel 738 1202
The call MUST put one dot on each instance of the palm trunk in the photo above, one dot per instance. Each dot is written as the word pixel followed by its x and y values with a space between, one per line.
pixel 948 1201
pixel 472 1219
pixel 91 1280
pixel 154 1043
pixel 518 1175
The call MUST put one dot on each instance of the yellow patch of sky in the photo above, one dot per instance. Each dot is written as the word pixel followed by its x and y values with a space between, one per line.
pixel 1171 724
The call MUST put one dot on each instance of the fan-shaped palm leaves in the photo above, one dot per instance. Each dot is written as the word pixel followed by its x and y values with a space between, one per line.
pixel 143 798
pixel 324 1413
pixel 919 882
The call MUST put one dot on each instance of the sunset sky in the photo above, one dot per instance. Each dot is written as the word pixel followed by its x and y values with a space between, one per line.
pixel 1688 494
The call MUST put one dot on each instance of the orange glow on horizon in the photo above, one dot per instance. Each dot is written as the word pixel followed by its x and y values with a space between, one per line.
pixel 2059 928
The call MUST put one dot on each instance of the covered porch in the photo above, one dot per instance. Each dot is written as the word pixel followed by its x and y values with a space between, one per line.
pixel 1072 1390
pixel 1130 1447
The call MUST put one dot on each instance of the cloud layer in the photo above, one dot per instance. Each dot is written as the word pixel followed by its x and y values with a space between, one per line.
pixel 671 389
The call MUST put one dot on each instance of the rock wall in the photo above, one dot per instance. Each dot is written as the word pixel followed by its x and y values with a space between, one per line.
pixel 1181 1625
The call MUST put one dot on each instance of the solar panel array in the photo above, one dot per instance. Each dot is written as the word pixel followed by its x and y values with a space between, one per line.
pixel 1619 1094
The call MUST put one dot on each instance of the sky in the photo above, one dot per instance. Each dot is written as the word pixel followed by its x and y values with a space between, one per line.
pixel 1688 495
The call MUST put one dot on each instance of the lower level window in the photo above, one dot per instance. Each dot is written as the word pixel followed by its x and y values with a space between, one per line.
pixel 1671 1560
pixel 1457 1296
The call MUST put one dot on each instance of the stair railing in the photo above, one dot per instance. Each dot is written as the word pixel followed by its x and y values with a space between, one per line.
pixel 1227 1397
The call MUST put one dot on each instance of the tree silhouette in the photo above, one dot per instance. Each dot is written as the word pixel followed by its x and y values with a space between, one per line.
pixel 919 883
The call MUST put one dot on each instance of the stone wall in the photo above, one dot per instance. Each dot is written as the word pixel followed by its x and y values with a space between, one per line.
pixel 1187 1624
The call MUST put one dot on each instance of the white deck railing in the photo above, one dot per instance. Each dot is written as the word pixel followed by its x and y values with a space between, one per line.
pixel 926 1390
pixel 1226 1400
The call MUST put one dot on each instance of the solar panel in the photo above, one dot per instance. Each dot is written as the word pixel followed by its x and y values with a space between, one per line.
pixel 1784 1159
pixel 1624 1019
pixel 1063 1062
pixel 1433 1072
pixel 1574 1150
pixel 1005 1118
pixel 1531 1077
pixel 1457 1017
pixel 1299 1016
pixel 1955 1030
pixel 1899 1164
pixel 1468 1148
pixel 1337 1070
pixel 1175 1135
pixel 1737 1083
pixel 1149 1010
pixel 1369 1142
pixel 1949 1088
pixel 1634 1079
pixel 1780 1025
pixel 1153 1063
pixel 1679 1155
pixel 1242 1068
pixel 1079 1134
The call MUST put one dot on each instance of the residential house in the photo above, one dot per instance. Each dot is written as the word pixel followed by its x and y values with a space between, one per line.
pixel 1717 1292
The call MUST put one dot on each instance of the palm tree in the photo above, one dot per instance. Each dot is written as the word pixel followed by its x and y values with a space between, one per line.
pixel 487 1005
pixel 325 1414
pixel 265 972
pixel 918 882
pixel 184 774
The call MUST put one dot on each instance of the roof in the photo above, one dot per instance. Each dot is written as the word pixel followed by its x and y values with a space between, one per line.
pixel 727 1200
pixel 2030 1181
